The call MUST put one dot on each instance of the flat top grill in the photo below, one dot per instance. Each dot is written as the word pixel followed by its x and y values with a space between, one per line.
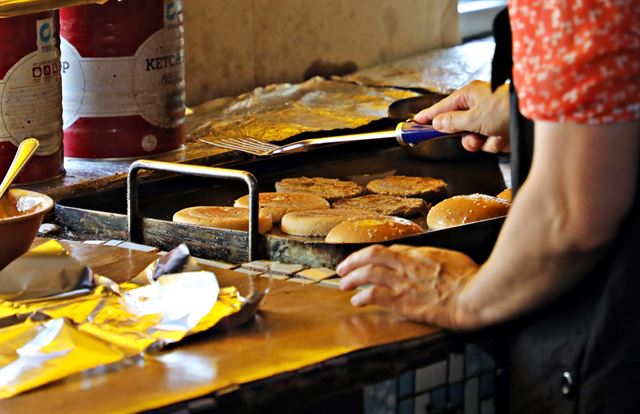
pixel 104 214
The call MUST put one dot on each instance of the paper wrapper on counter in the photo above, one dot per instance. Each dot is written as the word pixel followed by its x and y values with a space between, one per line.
pixel 41 352
pixel 237 309
pixel 148 317
pixel 66 336
pixel 46 270
pixel 176 261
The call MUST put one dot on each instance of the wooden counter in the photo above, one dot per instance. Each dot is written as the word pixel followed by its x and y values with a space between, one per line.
pixel 307 340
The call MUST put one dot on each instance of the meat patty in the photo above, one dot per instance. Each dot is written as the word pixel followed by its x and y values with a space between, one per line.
pixel 426 188
pixel 330 189
pixel 386 205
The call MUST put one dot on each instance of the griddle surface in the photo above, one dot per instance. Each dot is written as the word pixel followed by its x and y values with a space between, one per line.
pixel 362 163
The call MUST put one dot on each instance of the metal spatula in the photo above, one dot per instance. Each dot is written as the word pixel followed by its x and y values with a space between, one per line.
pixel 406 133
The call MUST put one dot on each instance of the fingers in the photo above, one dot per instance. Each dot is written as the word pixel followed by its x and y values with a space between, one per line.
pixel 455 121
pixel 401 248
pixel 436 313
pixel 495 145
pixel 475 142
pixel 453 102
pixel 369 274
pixel 375 255
pixel 374 295
pixel 461 99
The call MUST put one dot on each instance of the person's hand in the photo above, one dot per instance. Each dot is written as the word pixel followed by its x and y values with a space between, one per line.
pixel 411 286
pixel 475 109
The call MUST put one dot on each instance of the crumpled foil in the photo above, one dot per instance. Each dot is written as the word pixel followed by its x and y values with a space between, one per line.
pixel 278 112
pixel 441 71
pixel 36 353
pixel 49 339
pixel 46 270
pixel 10 8
pixel 178 261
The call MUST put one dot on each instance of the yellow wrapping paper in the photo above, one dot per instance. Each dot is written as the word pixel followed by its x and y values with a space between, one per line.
pixel 35 353
pixel 10 8
pixel 43 340
pixel 44 271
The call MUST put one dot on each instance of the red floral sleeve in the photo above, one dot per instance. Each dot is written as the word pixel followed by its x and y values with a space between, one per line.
pixel 577 60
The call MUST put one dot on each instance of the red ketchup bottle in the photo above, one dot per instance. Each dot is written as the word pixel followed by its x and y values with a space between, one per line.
pixel 123 78
pixel 30 93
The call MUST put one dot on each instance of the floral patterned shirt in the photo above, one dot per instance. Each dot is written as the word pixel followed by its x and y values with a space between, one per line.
pixel 577 60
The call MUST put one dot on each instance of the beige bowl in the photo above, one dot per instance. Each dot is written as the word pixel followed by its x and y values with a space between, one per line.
pixel 21 213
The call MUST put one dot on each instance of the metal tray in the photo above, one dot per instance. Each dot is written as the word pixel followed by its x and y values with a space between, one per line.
pixel 104 214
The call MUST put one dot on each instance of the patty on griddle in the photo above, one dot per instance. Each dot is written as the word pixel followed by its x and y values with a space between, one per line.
pixel 330 189
pixel 386 205
pixel 427 188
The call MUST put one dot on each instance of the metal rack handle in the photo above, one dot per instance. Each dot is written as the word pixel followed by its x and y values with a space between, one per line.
pixel 136 231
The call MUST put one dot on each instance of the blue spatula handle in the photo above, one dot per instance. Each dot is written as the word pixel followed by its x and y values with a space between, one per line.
pixel 411 133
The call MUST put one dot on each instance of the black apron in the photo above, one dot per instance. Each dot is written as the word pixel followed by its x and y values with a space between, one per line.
pixel 581 354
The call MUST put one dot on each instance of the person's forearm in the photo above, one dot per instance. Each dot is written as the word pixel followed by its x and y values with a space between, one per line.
pixel 524 271
pixel 578 192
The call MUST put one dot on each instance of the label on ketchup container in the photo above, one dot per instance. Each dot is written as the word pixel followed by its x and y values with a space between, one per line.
pixel 145 84
pixel 123 78
pixel 30 94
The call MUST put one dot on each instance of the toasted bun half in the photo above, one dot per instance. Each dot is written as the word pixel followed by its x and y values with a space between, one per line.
pixel 372 230
pixel 279 204
pixel 505 195
pixel 464 209
pixel 234 218
pixel 427 188
pixel 454 265
pixel 330 189
pixel 319 222
pixel 386 205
